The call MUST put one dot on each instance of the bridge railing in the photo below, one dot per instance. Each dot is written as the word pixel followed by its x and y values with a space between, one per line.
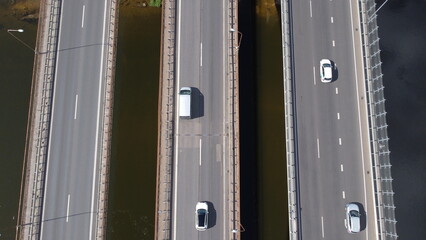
pixel 29 225
pixel 379 141
pixel 166 130
pixel 290 129
pixel 106 122
pixel 233 37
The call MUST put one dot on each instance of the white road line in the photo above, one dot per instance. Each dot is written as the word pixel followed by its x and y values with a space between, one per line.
pixel 76 106
pixel 337 90
pixel 340 141
pixel 225 35
pixel 322 226
pixel 318 148
pixel 315 80
pixel 332 20
pixel 334 43
pixel 51 124
pixel 338 115
pixel 359 122
pixel 68 207
pixel 95 157
pixel 200 151
pixel 310 7
pixel 343 195
pixel 341 167
pixel 82 17
pixel 201 54
pixel 175 182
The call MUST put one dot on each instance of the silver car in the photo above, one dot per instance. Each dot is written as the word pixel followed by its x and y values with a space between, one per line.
pixel 353 218
pixel 201 216
pixel 326 70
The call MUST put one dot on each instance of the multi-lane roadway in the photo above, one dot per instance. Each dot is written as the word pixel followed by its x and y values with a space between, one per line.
pixel 331 128
pixel 70 198
pixel 200 143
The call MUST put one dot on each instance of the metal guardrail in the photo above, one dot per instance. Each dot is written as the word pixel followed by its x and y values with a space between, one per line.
pixel 379 141
pixel 233 124
pixel 42 138
pixel 164 180
pixel 290 130
pixel 106 124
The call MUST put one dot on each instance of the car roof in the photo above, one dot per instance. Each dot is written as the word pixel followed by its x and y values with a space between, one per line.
pixel 201 205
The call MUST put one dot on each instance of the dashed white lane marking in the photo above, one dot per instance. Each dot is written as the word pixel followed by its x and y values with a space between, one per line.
pixel 334 43
pixel 310 7
pixel 340 141
pixel 337 90
pixel 332 20
pixel 315 81
pixel 322 226
pixel 82 17
pixel 68 207
pixel 341 167
pixel 200 151
pixel 338 115
pixel 76 106
pixel 343 195
pixel 318 148
pixel 201 54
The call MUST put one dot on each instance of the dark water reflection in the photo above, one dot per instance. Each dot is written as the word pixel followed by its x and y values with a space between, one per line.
pixel 16 64
pixel 403 44
pixel 134 142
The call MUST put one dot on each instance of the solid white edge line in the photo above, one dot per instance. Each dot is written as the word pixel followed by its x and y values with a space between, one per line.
pixel 225 34
pixel 359 123
pixel 82 17
pixel 315 80
pixel 174 192
pixel 51 124
pixel 92 212
pixel 318 148
pixel 68 207
pixel 322 226
pixel 76 106
pixel 310 8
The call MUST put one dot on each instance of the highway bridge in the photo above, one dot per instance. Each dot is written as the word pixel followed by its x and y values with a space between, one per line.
pixel 336 151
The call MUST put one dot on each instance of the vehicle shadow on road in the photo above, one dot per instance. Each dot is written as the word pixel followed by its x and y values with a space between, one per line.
pixel 363 218
pixel 198 103
pixel 212 215
pixel 335 71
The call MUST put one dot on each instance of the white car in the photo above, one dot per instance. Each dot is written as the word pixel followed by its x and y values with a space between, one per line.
pixel 326 70
pixel 201 216
pixel 353 218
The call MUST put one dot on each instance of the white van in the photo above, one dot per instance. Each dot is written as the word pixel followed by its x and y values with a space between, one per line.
pixel 185 103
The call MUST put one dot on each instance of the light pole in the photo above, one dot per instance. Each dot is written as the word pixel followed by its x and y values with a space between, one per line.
pixel 240 36
pixel 21 31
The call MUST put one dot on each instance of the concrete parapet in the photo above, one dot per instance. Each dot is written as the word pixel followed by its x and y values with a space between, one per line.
pixel 166 103
pixel 38 126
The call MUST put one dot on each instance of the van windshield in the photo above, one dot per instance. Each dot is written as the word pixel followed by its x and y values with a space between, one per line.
pixel 185 92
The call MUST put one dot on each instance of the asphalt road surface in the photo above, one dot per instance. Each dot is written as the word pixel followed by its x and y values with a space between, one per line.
pixel 332 145
pixel 200 154
pixel 70 199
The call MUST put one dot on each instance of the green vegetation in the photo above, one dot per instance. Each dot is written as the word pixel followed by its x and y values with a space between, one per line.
pixel 155 3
